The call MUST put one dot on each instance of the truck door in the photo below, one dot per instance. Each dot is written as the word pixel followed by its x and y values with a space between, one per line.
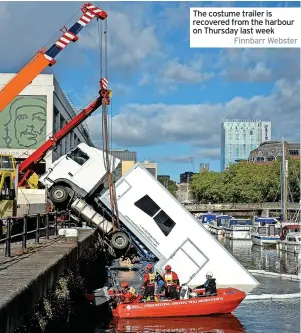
pixel 193 258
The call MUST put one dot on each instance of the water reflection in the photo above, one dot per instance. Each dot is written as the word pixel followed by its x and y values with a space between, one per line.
pixel 261 258
pixel 217 324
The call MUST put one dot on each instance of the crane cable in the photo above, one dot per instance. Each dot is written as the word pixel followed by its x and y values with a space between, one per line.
pixel 105 126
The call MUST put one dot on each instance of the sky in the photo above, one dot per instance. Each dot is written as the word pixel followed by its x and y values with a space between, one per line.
pixel 168 100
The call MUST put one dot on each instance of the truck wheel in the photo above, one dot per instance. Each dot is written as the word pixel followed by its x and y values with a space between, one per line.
pixel 120 241
pixel 58 194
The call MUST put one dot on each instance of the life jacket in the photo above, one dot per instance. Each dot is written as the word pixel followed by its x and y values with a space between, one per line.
pixel 129 296
pixel 169 279
pixel 152 278
pixel 132 291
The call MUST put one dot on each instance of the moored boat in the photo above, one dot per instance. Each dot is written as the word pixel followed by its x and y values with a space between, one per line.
pixel 216 226
pixel 238 228
pixel 266 231
pixel 205 219
pixel 226 301
pixel 290 239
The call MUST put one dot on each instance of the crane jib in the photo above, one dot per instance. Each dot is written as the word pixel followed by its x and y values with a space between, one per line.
pixel 54 50
pixel 89 13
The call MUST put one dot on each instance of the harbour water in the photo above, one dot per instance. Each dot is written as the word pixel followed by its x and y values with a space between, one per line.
pixel 260 316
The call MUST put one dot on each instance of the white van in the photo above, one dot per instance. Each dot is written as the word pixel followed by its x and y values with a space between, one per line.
pixel 172 234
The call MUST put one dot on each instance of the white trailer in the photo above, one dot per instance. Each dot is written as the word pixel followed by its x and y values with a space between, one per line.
pixel 172 234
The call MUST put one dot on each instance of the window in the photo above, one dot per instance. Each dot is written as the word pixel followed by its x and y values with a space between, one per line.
pixel 6 162
pixel 147 205
pixel 271 158
pixel 164 222
pixel 294 152
pixel 251 132
pixel 78 156
pixel 152 171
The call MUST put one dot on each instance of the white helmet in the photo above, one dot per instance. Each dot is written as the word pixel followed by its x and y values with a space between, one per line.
pixel 209 274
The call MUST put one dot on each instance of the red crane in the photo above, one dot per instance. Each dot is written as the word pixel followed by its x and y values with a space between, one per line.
pixel 39 153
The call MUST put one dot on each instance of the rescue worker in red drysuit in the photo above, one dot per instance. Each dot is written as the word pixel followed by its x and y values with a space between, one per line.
pixel 149 283
pixel 172 283
pixel 127 296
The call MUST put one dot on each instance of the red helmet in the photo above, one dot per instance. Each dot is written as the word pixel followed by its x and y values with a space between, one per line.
pixel 168 268
pixel 124 285
pixel 149 266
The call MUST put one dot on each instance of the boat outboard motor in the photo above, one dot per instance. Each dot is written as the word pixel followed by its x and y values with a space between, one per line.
pixel 101 296
pixel 184 294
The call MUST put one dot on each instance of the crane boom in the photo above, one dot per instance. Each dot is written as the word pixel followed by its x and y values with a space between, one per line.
pixel 39 153
pixel 45 58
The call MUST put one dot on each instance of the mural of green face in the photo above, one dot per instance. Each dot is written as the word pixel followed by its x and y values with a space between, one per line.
pixel 24 122
pixel 29 124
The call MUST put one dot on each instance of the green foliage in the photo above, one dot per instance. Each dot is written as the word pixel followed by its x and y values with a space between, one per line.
pixel 245 182
pixel 169 184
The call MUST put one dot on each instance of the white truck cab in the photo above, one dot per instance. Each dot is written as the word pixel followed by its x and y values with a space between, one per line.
pixel 81 170
pixel 73 179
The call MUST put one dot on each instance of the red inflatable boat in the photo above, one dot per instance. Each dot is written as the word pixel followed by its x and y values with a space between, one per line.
pixel 226 301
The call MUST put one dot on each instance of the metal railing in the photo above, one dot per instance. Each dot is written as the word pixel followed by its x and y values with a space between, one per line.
pixel 244 206
pixel 33 224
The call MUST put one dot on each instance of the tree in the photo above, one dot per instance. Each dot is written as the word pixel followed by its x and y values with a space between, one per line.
pixel 245 182
pixel 169 184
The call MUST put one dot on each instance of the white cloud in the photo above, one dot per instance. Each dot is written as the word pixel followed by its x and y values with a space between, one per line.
pixel 205 153
pixel 145 79
pixel 130 41
pixel 131 34
pixel 192 72
pixel 208 153
pixel 255 65
pixel 30 26
pixel 119 89
pixel 199 124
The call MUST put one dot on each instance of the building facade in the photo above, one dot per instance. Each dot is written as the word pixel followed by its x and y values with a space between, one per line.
pixel 268 151
pixel 240 136
pixel 185 177
pixel 204 167
pixel 183 194
pixel 37 113
pixel 163 177
pixel 128 159
pixel 164 180
pixel 152 167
